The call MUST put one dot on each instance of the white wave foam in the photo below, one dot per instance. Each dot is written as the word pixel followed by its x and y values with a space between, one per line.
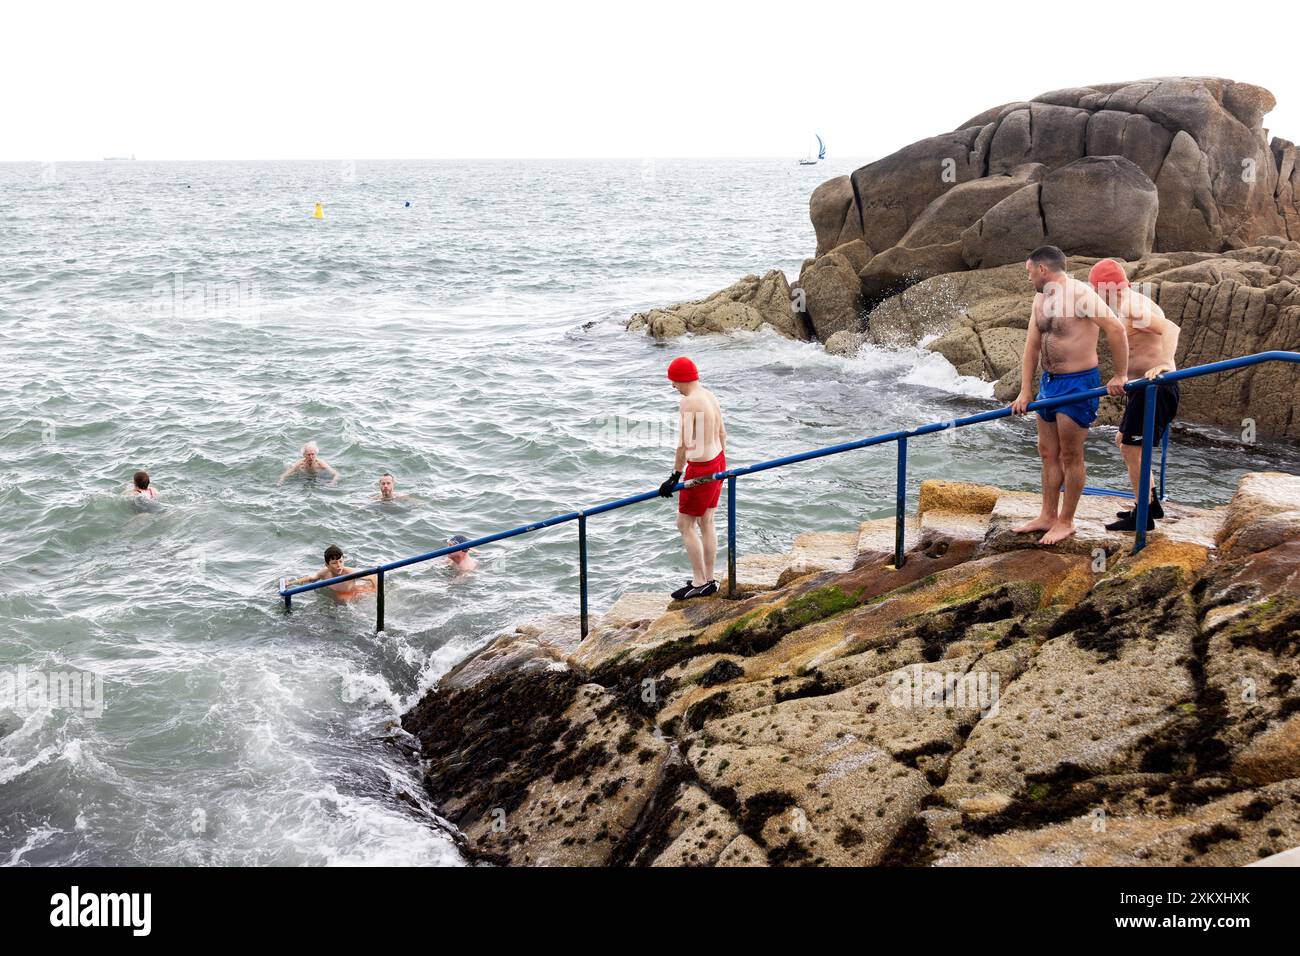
pixel 932 370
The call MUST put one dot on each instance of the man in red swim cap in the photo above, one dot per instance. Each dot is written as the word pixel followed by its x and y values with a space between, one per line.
pixel 700 450
pixel 1152 343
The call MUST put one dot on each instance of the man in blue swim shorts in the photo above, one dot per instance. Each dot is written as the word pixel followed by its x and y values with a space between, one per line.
pixel 1063 331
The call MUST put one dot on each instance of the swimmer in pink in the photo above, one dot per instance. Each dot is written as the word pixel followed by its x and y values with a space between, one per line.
pixel 701 450
pixel 140 486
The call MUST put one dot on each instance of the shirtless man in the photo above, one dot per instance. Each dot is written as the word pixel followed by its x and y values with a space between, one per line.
pixel 387 488
pixel 1063 328
pixel 1152 344
pixel 460 560
pixel 334 567
pixel 701 450
pixel 309 464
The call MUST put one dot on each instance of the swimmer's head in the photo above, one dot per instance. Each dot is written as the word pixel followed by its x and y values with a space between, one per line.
pixel 334 558
pixel 386 484
pixel 1045 265
pixel 683 374
pixel 309 452
pixel 456 557
pixel 141 479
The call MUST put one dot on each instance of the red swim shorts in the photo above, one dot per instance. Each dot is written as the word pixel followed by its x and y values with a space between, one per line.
pixel 695 501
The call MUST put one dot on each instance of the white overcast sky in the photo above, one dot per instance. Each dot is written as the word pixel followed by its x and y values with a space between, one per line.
pixel 660 78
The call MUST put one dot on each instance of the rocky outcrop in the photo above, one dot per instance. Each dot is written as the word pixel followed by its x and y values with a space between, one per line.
pixel 1173 164
pixel 989 702
pixel 748 305
pixel 831 295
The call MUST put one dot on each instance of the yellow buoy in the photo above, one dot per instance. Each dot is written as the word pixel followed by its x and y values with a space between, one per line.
pixel 319 213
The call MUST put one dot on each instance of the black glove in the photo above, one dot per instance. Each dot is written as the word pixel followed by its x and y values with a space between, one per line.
pixel 666 489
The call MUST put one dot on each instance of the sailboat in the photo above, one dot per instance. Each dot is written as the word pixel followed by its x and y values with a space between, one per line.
pixel 821 154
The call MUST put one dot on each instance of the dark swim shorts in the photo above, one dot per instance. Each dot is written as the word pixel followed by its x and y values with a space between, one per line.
pixel 1082 413
pixel 1130 426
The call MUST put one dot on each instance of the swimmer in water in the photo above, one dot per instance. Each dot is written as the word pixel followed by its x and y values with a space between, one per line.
pixel 311 463
pixel 460 560
pixel 140 487
pixel 334 567
pixel 388 489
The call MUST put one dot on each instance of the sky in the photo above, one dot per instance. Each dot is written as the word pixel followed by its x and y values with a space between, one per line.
pixel 379 80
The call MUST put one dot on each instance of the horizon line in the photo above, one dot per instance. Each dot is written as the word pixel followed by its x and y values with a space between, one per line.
pixel 408 159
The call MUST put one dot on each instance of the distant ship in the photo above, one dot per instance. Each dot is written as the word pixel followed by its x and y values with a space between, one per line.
pixel 119 159
pixel 821 154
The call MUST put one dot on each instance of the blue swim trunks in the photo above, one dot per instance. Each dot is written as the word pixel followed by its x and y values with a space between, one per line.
pixel 1083 413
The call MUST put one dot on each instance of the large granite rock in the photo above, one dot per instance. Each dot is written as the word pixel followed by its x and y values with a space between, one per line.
pixel 748 305
pixel 832 293
pixel 1095 206
pixel 835 215
pixel 1173 164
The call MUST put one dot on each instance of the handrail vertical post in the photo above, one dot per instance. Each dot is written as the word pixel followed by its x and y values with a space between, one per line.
pixel 900 505
pixel 1164 460
pixel 582 570
pixel 379 603
pixel 1144 474
pixel 731 536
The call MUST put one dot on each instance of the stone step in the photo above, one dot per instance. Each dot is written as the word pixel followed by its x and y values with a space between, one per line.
pixel 824 551
pixel 760 572
pixel 878 535
pixel 955 524
pixel 634 606
pixel 1089 520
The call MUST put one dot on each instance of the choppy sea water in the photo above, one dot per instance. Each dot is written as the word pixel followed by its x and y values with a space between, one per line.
pixel 195 320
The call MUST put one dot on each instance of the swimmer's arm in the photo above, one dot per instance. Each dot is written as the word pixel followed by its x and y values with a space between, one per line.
pixel 326 464
pixel 305 580
pixel 369 580
pixel 291 470
pixel 1028 363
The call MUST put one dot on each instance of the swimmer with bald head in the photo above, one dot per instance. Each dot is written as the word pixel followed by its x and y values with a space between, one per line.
pixel 311 463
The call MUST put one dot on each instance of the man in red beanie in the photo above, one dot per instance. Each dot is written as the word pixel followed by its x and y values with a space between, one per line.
pixel 701 450
pixel 1152 344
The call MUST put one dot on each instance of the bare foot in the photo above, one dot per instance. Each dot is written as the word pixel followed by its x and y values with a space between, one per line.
pixel 1058 532
pixel 1038 524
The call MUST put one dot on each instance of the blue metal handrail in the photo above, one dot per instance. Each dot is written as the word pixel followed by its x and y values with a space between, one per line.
pixel 900 512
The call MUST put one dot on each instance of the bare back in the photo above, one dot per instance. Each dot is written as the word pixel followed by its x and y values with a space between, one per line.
pixel 702 433
pixel 1152 339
